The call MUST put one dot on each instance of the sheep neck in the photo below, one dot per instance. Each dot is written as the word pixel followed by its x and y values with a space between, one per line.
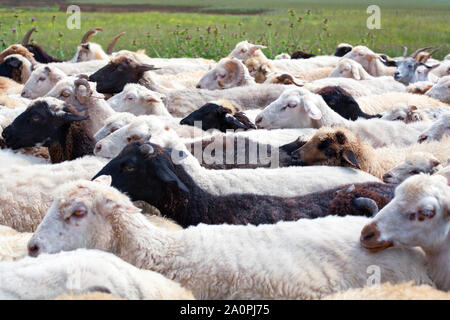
pixel 71 142
pixel 142 244
pixel 368 160
pixel 439 263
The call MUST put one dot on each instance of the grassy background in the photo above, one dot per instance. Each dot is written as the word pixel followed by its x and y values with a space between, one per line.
pixel 413 23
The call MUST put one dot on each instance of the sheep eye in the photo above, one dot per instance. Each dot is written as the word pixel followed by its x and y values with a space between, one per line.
pixel 414 171
pixel 79 213
pixel 113 129
pixel 284 108
pixel 399 118
pixel 65 94
pixel 411 216
pixel 36 119
pixel 291 104
pixel 128 168
pixel 41 79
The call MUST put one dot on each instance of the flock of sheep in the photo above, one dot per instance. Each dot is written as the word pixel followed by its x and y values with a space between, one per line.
pixel 303 177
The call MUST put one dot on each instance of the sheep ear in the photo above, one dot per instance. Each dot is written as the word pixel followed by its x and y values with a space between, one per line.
pixel 15 63
pixel 312 110
pixel 256 47
pixel 350 157
pixel 355 71
pixel 152 98
pixel 231 120
pixel 434 162
pixel 412 108
pixel 164 173
pixel 104 179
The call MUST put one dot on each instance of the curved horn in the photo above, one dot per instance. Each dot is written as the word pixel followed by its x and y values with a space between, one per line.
pixel 414 54
pixel 405 51
pixel 113 43
pixel 27 36
pixel 365 204
pixel 288 79
pixel 90 33
pixel 146 149
pixel 82 82
pixel 430 54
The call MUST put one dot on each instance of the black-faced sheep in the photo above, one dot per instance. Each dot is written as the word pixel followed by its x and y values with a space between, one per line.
pixel 215 116
pixel 343 103
pixel 53 124
pixel 146 172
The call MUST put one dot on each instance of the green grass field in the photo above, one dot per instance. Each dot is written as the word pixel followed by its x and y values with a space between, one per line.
pixel 414 23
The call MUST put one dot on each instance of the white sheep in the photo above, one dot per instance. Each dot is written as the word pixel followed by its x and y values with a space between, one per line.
pixel 228 73
pixel 349 68
pixel 26 192
pixel 418 216
pixel 319 256
pixel 13 244
pixel 114 123
pixel 439 129
pixel 359 88
pixel 300 108
pixel 370 61
pixel 138 100
pixel 415 163
pixel 41 81
pixel 83 271
pixel 377 103
pixel 441 90
pixel 404 113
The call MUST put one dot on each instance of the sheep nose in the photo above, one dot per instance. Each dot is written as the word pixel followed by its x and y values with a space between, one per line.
pixel 258 119
pixel 387 176
pixel 24 94
pixel 33 249
pixel 421 138
pixel 369 233
pixel 98 147
pixel 198 86
pixel 295 154
pixel 6 134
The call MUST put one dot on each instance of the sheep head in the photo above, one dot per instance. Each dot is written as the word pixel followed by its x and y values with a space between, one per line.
pixel 417 216
pixel 41 81
pixel 82 210
pixel 245 50
pixel 415 163
pixel 214 116
pixel 294 108
pixel 331 147
pixel 228 73
pixel 116 74
pixel 404 113
pixel 259 68
pixel 138 100
pixel 40 123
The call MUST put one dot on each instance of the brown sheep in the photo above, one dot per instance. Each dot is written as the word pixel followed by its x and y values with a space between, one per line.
pixel 338 146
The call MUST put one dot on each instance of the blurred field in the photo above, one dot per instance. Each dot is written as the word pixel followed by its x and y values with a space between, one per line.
pixel 415 23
